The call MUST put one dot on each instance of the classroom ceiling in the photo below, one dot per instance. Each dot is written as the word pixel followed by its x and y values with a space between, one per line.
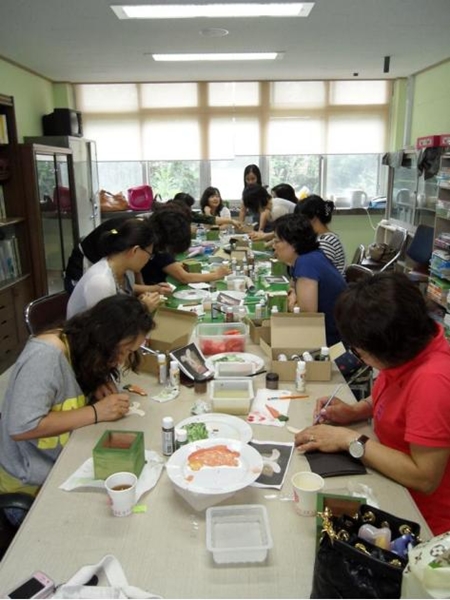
pixel 83 41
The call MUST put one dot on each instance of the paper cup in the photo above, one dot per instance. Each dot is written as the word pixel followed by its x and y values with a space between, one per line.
pixel 121 488
pixel 305 486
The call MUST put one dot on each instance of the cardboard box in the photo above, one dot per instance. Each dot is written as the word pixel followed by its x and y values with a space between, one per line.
pixel 213 234
pixel 173 329
pixel 255 326
pixel 119 451
pixel 293 334
pixel 278 268
pixel 192 266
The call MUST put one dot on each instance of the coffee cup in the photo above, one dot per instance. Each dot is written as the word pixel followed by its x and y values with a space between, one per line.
pixel 121 488
pixel 305 486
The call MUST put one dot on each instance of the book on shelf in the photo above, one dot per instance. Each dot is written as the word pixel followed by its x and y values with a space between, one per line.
pixel 4 139
pixel 9 259
pixel 2 204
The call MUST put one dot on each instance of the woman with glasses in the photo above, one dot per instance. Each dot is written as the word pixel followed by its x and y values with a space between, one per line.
pixel 385 320
pixel 125 250
pixel 316 283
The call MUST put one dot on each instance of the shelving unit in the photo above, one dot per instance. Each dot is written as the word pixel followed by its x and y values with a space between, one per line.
pixel 439 284
pixel 16 282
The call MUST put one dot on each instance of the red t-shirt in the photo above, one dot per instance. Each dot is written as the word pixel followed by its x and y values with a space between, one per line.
pixel 412 406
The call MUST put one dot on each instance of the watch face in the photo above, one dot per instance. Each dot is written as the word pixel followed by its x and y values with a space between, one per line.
pixel 356 449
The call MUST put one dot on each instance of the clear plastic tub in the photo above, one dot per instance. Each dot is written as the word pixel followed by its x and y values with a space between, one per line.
pixel 232 396
pixel 238 534
pixel 216 338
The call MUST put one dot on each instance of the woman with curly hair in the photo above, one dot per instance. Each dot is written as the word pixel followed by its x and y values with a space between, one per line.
pixel 316 283
pixel 63 381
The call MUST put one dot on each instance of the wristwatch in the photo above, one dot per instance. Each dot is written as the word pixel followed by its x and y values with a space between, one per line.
pixel 356 447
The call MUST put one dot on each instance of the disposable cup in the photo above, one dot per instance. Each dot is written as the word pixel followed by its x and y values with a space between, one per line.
pixel 121 488
pixel 305 487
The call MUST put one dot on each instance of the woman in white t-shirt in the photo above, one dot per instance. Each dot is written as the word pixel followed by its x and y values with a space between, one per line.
pixel 212 205
pixel 319 213
pixel 258 201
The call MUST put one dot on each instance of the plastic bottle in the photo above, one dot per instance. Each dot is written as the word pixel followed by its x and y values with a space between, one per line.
pixel 274 310
pixel 300 376
pixel 242 313
pixel 259 312
pixel 324 353
pixel 180 438
pixel 162 369
pixel 296 310
pixel 168 436
pixel 229 316
pixel 233 266
pixel 174 374
pixel 307 356
pixel 201 233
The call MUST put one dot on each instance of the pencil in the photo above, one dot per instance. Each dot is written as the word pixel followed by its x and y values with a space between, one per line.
pixel 327 403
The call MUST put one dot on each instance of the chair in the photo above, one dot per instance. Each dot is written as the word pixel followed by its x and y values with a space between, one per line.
pixel 355 272
pixel 397 242
pixel 47 312
pixel 419 252
pixel 16 500
pixel 359 255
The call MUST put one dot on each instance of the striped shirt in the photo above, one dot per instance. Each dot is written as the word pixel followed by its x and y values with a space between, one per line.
pixel 332 247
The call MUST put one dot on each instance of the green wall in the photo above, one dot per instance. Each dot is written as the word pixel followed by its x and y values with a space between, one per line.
pixel 354 230
pixel 431 107
pixel 33 97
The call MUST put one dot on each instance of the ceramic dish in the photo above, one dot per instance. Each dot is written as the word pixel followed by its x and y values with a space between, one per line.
pixel 235 357
pixel 221 426
pixel 191 295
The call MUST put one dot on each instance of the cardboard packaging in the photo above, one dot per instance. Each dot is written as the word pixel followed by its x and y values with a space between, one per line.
pixel 255 327
pixel 212 234
pixel 278 268
pixel 173 329
pixel 192 266
pixel 119 451
pixel 293 334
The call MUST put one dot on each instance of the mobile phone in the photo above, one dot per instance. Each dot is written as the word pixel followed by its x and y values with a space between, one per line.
pixel 39 585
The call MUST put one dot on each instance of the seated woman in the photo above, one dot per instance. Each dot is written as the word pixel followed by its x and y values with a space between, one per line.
pixel 211 203
pixel 202 217
pixel 286 191
pixel 258 201
pixel 319 212
pixel 53 379
pixel 125 250
pixel 385 320
pixel 316 282
pixel 173 236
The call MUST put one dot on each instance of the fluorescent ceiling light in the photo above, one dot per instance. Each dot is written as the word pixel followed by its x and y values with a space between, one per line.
pixel 217 56
pixel 190 11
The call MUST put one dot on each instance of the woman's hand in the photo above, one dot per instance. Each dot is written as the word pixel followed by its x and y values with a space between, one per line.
pixel 341 413
pixel 113 407
pixel 105 389
pixel 257 235
pixel 325 438
pixel 151 300
pixel 221 272
pixel 164 288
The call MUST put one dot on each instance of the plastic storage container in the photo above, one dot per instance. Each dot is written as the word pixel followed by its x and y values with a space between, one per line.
pixel 232 396
pixel 238 534
pixel 216 338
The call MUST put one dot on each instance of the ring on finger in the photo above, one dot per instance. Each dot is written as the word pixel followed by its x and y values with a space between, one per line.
pixel 311 438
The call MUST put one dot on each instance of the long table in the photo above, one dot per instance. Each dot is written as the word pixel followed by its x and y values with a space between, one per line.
pixel 164 549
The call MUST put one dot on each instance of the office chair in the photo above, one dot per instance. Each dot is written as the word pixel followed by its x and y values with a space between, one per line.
pixel 46 312
pixel 16 500
pixel 419 252
pixel 397 243
pixel 355 272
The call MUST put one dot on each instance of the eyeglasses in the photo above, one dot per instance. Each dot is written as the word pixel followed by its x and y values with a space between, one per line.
pixel 150 254
pixel 355 352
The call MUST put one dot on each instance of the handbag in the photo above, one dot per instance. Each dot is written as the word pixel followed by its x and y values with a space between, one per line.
pixel 428 572
pixel 140 197
pixel 380 252
pixel 347 566
pixel 112 202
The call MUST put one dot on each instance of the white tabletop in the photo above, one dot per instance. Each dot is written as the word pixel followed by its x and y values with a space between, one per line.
pixel 164 550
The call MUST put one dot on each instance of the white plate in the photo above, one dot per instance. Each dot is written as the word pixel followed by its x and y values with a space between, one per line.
pixel 236 357
pixel 221 426
pixel 215 480
pixel 191 294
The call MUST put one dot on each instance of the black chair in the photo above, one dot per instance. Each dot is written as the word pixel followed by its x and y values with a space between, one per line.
pixel 46 312
pixel 355 272
pixel 359 255
pixel 17 500
pixel 419 252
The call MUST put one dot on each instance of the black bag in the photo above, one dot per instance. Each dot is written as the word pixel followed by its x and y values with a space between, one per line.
pixel 347 566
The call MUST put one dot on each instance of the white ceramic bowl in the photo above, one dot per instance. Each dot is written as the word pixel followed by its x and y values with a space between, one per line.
pixel 210 485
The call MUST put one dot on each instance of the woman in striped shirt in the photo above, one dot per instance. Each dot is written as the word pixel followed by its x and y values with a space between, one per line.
pixel 319 213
